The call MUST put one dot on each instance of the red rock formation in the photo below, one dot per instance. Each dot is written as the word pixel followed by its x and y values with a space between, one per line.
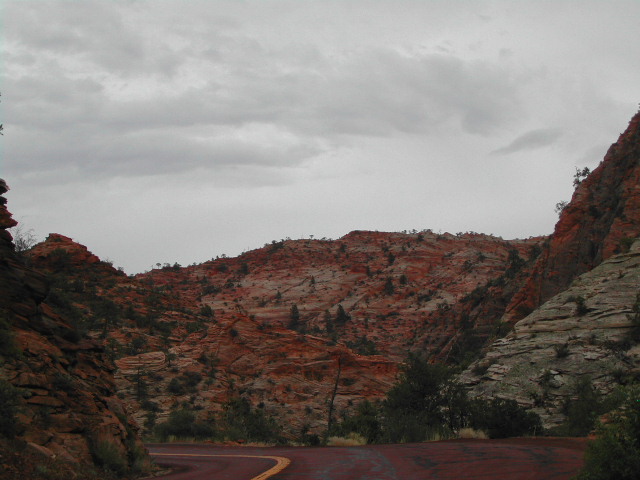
pixel 69 407
pixel 604 211
pixel 400 292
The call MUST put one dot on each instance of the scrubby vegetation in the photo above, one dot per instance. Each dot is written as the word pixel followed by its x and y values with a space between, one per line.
pixel 9 406
pixel 615 454
pixel 237 421
pixel 427 403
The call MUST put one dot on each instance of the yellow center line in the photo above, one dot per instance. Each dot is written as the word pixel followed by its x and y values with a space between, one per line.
pixel 281 462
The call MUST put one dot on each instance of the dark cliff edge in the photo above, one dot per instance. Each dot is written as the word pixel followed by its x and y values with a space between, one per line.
pixel 600 221
pixel 61 415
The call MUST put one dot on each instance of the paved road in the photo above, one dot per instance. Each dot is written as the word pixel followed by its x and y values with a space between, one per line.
pixel 521 459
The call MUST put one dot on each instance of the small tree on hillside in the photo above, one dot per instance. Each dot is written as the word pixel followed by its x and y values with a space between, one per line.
pixel 342 316
pixel 294 317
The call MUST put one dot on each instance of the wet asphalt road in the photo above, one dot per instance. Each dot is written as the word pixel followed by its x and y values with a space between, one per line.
pixel 535 459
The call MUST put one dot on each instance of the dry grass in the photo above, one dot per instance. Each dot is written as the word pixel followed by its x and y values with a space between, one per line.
pixel 471 433
pixel 352 440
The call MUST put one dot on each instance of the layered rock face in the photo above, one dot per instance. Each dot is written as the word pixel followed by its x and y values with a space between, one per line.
pixel 399 291
pixel 583 332
pixel 603 215
pixel 68 403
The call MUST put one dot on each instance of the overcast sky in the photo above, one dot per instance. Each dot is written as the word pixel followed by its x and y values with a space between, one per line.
pixel 164 131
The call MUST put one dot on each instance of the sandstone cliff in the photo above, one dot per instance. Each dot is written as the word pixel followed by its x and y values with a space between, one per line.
pixel 587 331
pixel 67 404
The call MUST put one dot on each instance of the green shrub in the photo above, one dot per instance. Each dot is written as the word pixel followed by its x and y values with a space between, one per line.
pixel 634 318
pixel 427 403
pixel 581 306
pixel 107 455
pixel 615 454
pixel 240 422
pixel 183 424
pixel 8 346
pixel 562 351
pixel 9 406
pixel 582 409
pixel 366 421
pixel 176 387
pixel 63 381
pixel 502 418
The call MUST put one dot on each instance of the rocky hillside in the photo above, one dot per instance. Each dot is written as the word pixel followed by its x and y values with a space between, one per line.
pixel 588 326
pixel 57 388
pixel 276 325
pixel 375 292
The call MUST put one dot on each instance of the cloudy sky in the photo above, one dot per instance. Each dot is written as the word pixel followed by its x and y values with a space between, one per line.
pixel 165 130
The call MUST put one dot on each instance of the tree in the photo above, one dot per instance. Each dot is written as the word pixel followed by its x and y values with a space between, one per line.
pixel 23 239
pixel 328 321
pixel 294 317
pixel 183 424
pixel 333 397
pixel 580 175
pixel 560 206
pixel 9 406
pixel 389 288
pixel 140 384
pixel 501 418
pixel 342 316
pixel 615 454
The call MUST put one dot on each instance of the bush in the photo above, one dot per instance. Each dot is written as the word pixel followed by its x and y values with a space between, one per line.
pixel 634 318
pixel 366 422
pixel 615 454
pixel 427 403
pixel 107 455
pixel 9 405
pixel 562 351
pixel 176 387
pixel 502 418
pixel 240 422
pixel 352 440
pixel 581 306
pixel 582 409
pixel 8 347
pixel 183 424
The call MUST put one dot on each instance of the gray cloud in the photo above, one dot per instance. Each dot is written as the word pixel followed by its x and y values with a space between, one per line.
pixel 248 105
pixel 531 140
pixel 89 104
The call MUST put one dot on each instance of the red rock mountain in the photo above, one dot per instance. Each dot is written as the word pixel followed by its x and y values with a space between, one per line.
pixel 272 325
pixel 280 326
